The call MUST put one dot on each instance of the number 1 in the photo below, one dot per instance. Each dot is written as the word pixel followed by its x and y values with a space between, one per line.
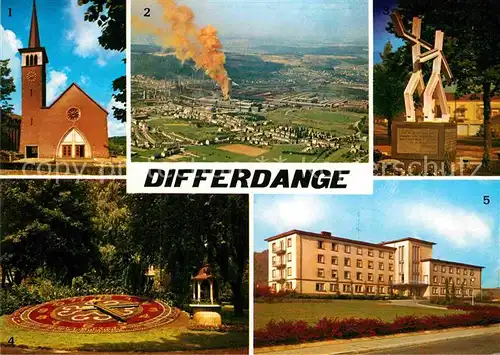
pixel 10 11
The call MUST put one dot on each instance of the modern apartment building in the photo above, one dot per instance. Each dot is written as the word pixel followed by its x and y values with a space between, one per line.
pixel 320 263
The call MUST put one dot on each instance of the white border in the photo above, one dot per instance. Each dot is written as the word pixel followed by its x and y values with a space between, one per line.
pixel 361 173
pixel 251 270
pixel 128 70
pixel 371 116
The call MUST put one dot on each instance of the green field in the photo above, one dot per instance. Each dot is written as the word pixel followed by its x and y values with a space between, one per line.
pixel 185 129
pixel 313 310
pixel 322 120
pixel 212 153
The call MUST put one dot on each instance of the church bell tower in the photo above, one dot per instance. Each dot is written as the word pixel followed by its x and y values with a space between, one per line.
pixel 33 63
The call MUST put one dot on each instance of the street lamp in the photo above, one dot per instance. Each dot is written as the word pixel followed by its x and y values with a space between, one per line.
pixel 472 281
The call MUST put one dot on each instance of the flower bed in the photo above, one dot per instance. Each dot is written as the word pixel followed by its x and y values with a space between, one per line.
pixel 289 332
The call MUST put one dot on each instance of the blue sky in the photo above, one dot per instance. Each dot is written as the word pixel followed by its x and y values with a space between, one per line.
pixel 72 47
pixel 299 20
pixel 449 213
pixel 381 9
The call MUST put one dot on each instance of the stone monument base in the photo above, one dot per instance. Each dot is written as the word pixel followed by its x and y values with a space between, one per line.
pixel 424 146
pixel 206 314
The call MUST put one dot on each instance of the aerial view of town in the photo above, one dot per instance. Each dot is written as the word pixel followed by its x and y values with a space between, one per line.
pixel 212 82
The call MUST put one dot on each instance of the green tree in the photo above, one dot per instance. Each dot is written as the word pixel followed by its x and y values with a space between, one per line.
pixel 180 233
pixel 53 234
pixel 111 219
pixel 471 46
pixel 7 87
pixel 389 83
pixel 110 16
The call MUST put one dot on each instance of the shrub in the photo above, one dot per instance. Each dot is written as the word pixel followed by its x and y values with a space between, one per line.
pixel 17 297
pixel 334 328
pixel 43 290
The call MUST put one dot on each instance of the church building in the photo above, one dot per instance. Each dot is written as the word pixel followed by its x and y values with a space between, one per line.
pixel 74 126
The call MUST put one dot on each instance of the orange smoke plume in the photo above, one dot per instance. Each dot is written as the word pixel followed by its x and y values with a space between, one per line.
pixel 189 41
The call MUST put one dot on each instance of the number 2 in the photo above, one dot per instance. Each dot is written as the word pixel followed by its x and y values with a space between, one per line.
pixel 147 12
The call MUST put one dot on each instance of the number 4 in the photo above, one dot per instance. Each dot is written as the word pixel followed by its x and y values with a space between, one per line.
pixel 11 341
pixel 486 200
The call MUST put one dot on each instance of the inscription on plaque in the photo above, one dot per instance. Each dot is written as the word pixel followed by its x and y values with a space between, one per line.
pixel 450 140
pixel 417 141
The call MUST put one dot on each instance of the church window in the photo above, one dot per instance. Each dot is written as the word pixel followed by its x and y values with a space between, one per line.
pixel 31 121
pixel 36 59
pixel 73 113
pixel 31 92
pixel 27 60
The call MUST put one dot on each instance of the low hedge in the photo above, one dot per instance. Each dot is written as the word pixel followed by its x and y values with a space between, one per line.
pixel 289 332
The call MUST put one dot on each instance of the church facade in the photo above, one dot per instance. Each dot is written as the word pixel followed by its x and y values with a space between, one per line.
pixel 74 126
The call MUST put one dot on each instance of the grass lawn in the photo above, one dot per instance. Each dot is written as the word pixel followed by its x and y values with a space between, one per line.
pixel 327 121
pixel 166 338
pixel 186 129
pixel 313 310
pixel 212 154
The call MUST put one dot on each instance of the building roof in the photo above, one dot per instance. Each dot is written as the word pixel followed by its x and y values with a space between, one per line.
pixel 410 239
pixel 451 263
pixel 205 273
pixel 469 97
pixel 329 236
pixel 79 88
pixel 34 41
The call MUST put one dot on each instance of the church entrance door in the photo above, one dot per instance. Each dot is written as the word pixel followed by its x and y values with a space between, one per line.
pixel 74 145
pixel 80 151
pixel 66 151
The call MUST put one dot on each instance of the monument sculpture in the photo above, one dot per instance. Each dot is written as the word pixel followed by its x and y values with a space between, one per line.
pixel 434 90
pixel 433 138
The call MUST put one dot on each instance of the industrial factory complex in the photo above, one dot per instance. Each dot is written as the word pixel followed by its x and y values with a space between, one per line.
pixel 293 114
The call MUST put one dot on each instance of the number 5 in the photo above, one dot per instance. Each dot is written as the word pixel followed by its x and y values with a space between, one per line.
pixel 486 200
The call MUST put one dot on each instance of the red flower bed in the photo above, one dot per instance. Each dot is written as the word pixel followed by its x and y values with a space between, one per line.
pixel 277 332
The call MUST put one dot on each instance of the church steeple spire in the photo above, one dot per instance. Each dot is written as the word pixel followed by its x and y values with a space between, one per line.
pixel 34 34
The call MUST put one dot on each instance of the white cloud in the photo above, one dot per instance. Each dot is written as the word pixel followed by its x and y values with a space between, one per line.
pixel 84 35
pixel 295 212
pixel 9 45
pixel 460 227
pixel 115 127
pixel 84 80
pixel 57 84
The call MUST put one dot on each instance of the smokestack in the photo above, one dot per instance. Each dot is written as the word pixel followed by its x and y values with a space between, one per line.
pixel 229 89
pixel 189 41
